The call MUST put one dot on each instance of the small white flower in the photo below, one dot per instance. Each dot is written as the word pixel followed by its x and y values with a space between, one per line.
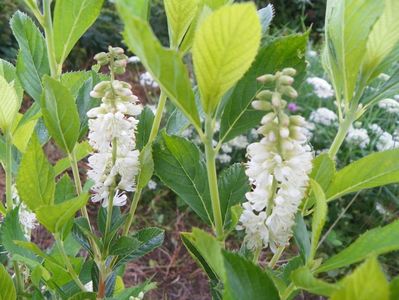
pixel 321 87
pixel 224 158
pixel 239 142
pixel 390 105
pixel 376 129
pixel 147 80
pixel 152 185
pixel 384 77
pixel 312 53
pixel 358 137
pixel 26 217
pixel 381 209
pixel 133 60
pixel 323 116
pixel 89 286
pixel 226 148
pixel 386 142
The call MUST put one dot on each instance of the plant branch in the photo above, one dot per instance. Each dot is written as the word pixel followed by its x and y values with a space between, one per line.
pixel 48 30
pixel 8 171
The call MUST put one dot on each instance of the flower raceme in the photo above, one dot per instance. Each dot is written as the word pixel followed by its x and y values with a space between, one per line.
pixel 278 167
pixel 112 125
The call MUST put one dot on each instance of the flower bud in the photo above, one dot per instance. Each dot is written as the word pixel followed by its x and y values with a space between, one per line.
pixel 115 50
pixel 261 105
pixel 276 100
pixel 266 78
pixel 264 95
pixel 289 91
pixel 101 56
pixel 289 72
pixel 286 80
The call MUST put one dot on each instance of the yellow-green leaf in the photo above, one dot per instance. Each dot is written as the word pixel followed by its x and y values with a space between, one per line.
pixel 224 47
pixel 319 215
pixel 9 104
pixel 383 38
pixel 367 282
pixel 7 289
pixel 180 14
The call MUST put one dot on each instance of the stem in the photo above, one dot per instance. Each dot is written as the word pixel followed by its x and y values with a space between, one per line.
pixel 342 132
pixel 68 264
pixel 18 278
pixel 212 179
pixel 154 132
pixel 276 257
pixel 288 291
pixel 48 30
pixel 8 171
pixel 112 190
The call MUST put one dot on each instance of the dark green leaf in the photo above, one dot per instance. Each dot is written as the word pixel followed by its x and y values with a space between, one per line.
pixel 144 127
pixel 7 288
pixel 301 236
pixel 64 190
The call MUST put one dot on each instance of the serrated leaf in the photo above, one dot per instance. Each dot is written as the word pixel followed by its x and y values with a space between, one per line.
pixel 9 104
pixel 71 20
pixel 367 282
pixel 383 38
pixel 165 65
pixel 60 114
pixel 180 14
pixel 225 45
pixel 54 217
pixel 376 241
pixel 348 25
pixel 7 288
pixel 64 189
pixel 319 216
pixel 35 180
pixel 81 151
pixel 144 127
pixel 9 72
pixel 238 116
pixel 233 184
pixel 74 81
pixel 376 169
pixel 246 280
pixel 180 165
pixel 32 62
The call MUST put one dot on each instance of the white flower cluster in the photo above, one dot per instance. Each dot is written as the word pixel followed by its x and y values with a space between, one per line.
pixel 115 163
pixel 321 87
pixel 26 217
pixel 358 137
pixel 390 105
pixel 278 167
pixel 147 80
pixel 323 116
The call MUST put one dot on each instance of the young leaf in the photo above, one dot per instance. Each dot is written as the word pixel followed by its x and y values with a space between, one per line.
pixel 54 217
pixel 60 114
pixel 224 47
pixel 7 289
pixel 319 216
pixel 238 116
pixel 71 20
pixel 9 72
pixel 383 38
pixel 165 65
pixel 348 25
pixel 144 127
pixel 35 180
pixel 32 62
pixel 181 166
pixel 376 241
pixel 367 282
pixel 304 279
pixel 374 170
pixel 233 184
pixel 180 14
pixel 246 280
pixel 23 132
pixel 9 104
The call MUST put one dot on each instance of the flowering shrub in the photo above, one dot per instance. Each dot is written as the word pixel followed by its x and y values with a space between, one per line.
pixel 242 92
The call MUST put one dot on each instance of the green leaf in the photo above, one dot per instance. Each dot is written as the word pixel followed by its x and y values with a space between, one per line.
pixel 137 8
pixel 71 20
pixel 323 170
pixel 376 241
pixel 233 184
pixel 348 25
pixel 238 116
pixel 74 81
pixel 383 38
pixel 301 236
pixel 54 217
pixel 10 232
pixel 367 282
pixel 60 114
pixel 181 166
pixel 304 279
pixel 9 104
pixel 81 151
pixel 84 296
pixel 246 280
pixel 9 72
pixel 146 166
pixel 135 291
pixel 35 180
pixel 144 127
pixel 7 289
pixel 23 132
pixel 180 14
pixel 374 170
pixel 124 246
pixel 207 251
pixel 64 189
pixel 165 65
pixel 319 216
pixel 394 288
pixel 32 62
pixel 225 45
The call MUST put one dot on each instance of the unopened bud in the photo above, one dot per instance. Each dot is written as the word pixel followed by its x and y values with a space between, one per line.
pixel 289 91
pixel 266 78
pixel 276 100
pixel 261 105
pixel 289 72
pixel 265 95
pixel 286 80
pixel 115 50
